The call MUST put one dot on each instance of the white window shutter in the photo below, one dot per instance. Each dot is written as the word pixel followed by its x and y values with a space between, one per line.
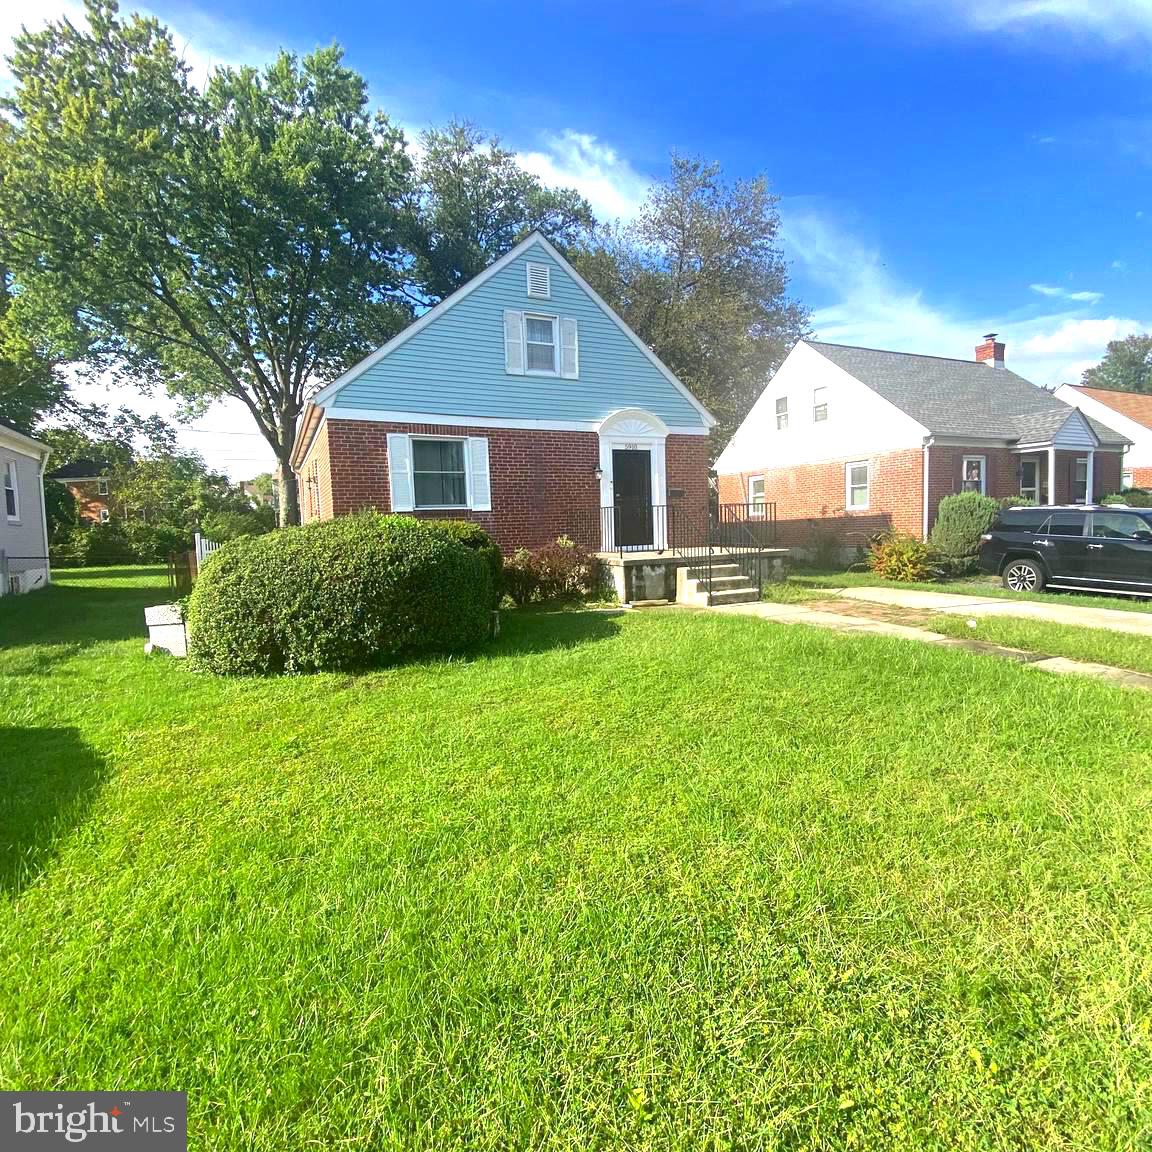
pixel 569 348
pixel 479 484
pixel 514 343
pixel 400 472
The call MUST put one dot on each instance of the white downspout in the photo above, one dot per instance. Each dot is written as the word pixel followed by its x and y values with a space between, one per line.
pixel 927 445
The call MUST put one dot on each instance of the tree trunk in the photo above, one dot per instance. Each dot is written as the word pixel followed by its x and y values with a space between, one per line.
pixel 289 493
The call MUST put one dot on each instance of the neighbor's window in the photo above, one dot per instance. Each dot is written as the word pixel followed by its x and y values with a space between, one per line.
pixel 438 474
pixel 819 404
pixel 11 491
pixel 540 342
pixel 972 474
pixel 856 483
pixel 102 487
pixel 756 499
pixel 105 516
pixel 1080 480
pixel 781 413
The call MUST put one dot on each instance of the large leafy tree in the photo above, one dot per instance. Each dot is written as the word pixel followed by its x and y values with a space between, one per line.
pixel 243 241
pixel 472 203
pixel 700 277
pixel 1127 366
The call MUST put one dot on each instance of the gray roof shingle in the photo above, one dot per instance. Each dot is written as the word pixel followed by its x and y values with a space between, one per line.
pixel 958 397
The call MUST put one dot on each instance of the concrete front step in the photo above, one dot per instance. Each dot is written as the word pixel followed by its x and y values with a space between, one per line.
pixel 718 570
pixel 747 595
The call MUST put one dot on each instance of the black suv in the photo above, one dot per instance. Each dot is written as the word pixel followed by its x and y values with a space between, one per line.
pixel 1101 547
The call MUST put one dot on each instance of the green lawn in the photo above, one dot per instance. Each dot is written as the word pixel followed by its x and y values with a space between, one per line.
pixel 971 586
pixel 654 881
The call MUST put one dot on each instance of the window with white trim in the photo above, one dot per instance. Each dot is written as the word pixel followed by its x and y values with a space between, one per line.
pixel 11 491
pixel 1125 480
pixel 973 474
pixel 781 413
pixel 102 486
pixel 539 281
pixel 439 473
pixel 756 500
pixel 105 515
pixel 1080 480
pixel 819 404
pixel 857 482
pixel 540 343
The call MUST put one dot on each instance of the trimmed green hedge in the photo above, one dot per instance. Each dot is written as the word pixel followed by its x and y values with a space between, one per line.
pixel 955 537
pixel 474 537
pixel 339 595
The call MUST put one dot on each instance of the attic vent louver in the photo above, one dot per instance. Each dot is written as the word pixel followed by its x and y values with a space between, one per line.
pixel 539 281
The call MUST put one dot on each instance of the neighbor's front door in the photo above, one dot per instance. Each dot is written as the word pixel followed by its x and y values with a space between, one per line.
pixel 632 497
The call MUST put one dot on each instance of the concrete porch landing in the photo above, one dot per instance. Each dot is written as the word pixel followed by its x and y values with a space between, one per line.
pixel 657 577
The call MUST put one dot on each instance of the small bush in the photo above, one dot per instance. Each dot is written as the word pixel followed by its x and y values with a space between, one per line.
pixel 338 595
pixel 474 537
pixel 556 571
pixel 1133 497
pixel 1017 502
pixel 955 537
pixel 896 556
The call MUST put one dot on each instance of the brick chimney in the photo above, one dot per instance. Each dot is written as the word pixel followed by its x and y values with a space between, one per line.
pixel 991 352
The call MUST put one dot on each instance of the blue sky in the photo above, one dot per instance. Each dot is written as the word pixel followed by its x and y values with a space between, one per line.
pixel 945 167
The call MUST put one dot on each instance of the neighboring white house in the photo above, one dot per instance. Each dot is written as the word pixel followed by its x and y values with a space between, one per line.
pixel 1130 413
pixel 23 522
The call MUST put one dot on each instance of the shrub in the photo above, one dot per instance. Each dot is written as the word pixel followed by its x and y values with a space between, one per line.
pixel 955 537
pixel 556 571
pixel 897 556
pixel 474 537
pixel 1133 497
pixel 338 595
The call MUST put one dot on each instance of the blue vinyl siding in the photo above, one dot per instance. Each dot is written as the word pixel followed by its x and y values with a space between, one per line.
pixel 455 366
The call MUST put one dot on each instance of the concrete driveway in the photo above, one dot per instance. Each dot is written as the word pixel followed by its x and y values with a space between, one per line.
pixel 1113 619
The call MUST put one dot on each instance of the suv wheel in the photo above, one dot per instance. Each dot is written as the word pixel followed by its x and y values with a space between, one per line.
pixel 1024 576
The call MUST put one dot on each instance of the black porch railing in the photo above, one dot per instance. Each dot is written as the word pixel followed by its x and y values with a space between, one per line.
pixel 676 528
pixel 737 534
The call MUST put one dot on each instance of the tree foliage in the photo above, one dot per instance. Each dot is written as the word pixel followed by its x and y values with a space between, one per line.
pixel 699 276
pixel 472 203
pixel 243 241
pixel 1127 366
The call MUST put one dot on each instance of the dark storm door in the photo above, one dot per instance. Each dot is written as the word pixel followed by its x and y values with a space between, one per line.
pixel 632 497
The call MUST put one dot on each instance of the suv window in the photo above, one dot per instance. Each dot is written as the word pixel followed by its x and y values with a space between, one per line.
pixel 1120 526
pixel 1065 524
pixel 1021 520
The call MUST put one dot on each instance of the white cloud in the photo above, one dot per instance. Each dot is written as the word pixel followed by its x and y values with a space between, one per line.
pixel 870 307
pixel 1063 293
pixel 1114 21
pixel 597 171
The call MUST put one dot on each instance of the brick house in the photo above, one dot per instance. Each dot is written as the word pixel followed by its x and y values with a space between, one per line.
pixel 848 442
pixel 1130 413
pixel 521 402
pixel 88 482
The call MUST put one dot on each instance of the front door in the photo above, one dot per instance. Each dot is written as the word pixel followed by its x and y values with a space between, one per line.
pixel 1030 479
pixel 632 497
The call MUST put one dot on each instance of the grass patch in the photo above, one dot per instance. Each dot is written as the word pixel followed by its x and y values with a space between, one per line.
pixel 656 881
pixel 1095 645
pixel 969 586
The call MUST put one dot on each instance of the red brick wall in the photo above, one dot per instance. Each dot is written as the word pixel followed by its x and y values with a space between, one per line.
pixel 544 483
pixel 810 498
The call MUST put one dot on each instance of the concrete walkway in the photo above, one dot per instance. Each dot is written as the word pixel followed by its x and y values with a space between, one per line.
pixel 801 614
pixel 1113 619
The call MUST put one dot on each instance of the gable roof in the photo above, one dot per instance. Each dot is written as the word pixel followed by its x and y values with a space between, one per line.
pixel 81 469
pixel 1135 405
pixel 13 435
pixel 959 397
pixel 429 317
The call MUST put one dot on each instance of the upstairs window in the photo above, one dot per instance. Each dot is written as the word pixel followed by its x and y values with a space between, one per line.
pixel 438 474
pixel 781 413
pixel 972 474
pixel 102 487
pixel 819 405
pixel 539 281
pixel 540 343
pixel 11 491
